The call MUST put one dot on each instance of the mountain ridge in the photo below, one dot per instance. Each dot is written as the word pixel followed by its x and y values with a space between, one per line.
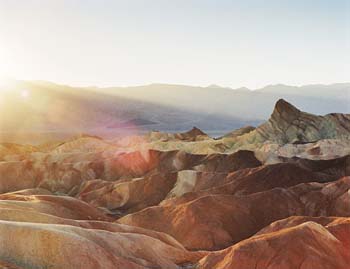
pixel 49 107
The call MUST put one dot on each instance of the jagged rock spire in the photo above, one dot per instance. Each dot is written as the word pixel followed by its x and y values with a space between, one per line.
pixel 284 111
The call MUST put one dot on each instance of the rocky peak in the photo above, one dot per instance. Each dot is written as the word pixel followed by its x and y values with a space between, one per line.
pixel 192 135
pixel 288 124
pixel 196 131
pixel 284 111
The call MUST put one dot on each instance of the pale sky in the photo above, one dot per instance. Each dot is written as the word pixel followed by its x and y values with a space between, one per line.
pixel 231 43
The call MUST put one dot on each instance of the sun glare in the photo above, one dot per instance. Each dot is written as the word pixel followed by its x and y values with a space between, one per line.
pixel 11 86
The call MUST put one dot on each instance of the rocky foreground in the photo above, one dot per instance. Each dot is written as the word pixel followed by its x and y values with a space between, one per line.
pixel 275 196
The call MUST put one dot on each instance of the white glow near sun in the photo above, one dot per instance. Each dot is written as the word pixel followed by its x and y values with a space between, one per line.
pixel 6 83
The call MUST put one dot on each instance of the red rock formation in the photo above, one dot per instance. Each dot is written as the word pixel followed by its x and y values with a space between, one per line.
pixel 31 245
pixel 222 220
pixel 308 245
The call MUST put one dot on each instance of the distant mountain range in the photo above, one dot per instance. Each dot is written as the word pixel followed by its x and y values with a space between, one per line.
pixel 241 103
pixel 49 107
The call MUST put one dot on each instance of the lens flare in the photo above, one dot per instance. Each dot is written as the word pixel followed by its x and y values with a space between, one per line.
pixel 24 93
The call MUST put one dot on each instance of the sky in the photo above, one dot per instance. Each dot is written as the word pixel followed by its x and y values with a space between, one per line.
pixel 248 43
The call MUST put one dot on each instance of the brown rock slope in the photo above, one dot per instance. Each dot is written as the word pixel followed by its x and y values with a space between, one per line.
pixel 307 245
pixel 128 196
pixel 222 220
pixel 46 231
pixel 30 245
pixel 64 173
pixel 250 180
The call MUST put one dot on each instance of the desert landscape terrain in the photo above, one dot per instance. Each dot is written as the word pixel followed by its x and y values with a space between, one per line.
pixel 275 196
pixel 187 134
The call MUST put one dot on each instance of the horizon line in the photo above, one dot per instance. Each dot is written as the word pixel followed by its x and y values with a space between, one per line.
pixel 212 85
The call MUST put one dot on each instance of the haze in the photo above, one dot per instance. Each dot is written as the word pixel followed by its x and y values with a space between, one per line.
pixel 230 43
